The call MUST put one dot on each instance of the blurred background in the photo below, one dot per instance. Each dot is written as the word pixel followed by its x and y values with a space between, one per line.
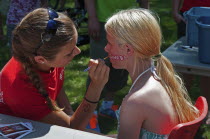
pixel 75 81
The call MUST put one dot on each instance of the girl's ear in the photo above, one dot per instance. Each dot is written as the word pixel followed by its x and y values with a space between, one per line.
pixel 40 59
pixel 130 50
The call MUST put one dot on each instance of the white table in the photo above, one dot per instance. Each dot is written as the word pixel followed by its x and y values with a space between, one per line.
pixel 186 61
pixel 47 131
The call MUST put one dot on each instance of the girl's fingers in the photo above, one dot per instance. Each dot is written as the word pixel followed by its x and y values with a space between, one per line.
pixel 103 70
pixel 105 73
pixel 100 66
pixel 92 64
pixel 98 70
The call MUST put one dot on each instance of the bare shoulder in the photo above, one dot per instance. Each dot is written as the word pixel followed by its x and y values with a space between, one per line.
pixel 151 105
pixel 151 93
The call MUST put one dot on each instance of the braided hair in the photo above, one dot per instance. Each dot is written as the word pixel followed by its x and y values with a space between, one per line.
pixel 27 35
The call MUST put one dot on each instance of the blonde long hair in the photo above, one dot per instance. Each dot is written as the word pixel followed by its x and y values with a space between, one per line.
pixel 140 29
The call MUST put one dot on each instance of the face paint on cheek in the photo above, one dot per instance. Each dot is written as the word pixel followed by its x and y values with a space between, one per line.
pixel 118 57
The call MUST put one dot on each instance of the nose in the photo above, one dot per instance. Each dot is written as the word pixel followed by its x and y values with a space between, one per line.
pixel 77 51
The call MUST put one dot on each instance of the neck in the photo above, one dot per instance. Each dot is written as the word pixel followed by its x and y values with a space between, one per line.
pixel 43 68
pixel 137 66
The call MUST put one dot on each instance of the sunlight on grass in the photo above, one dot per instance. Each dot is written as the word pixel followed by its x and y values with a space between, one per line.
pixel 75 84
pixel 75 78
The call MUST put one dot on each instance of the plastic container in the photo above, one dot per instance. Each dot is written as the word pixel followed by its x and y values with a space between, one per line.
pixel 191 28
pixel 203 24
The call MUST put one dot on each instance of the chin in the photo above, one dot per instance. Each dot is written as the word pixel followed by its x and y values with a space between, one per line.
pixel 62 65
pixel 67 63
pixel 117 66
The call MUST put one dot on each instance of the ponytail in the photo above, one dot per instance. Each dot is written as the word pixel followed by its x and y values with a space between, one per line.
pixel 176 90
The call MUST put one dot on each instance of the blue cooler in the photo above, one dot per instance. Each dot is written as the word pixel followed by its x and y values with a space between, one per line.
pixel 191 28
pixel 203 24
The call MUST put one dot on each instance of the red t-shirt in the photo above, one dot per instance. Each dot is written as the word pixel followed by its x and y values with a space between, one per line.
pixel 18 97
pixel 188 4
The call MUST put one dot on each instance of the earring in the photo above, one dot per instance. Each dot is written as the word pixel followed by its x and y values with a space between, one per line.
pixel 42 62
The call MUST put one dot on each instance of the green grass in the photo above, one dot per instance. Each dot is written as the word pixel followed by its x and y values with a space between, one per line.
pixel 75 83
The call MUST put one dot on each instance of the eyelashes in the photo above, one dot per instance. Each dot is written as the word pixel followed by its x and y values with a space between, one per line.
pixel 72 53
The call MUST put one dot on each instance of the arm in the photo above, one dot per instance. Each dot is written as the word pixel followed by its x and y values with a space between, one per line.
pixel 144 4
pixel 99 77
pixel 63 102
pixel 93 23
pixel 99 73
pixel 131 119
pixel 175 11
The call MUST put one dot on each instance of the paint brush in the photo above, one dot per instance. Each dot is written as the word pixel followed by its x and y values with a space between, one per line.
pixel 90 66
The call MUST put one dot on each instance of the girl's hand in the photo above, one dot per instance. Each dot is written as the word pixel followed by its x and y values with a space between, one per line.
pixel 178 18
pixel 99 72
pixel 94 28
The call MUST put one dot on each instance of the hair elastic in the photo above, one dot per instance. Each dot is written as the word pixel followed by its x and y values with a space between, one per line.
pixel 156 58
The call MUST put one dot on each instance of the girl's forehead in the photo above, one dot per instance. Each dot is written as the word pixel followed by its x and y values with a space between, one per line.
pixel 110 38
